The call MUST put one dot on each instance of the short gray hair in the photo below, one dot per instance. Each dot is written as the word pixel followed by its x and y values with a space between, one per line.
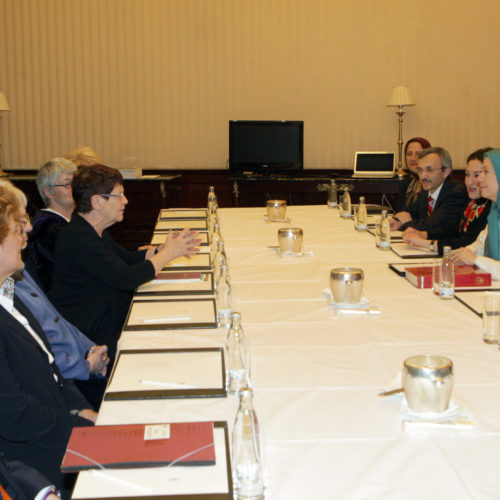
pixel 444 156
pixel 48 174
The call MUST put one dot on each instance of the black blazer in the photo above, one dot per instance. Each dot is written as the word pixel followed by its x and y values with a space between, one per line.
pixel 448 211
pixel 94 279
pixel 465 238
pixel 35 419
pixel 403 205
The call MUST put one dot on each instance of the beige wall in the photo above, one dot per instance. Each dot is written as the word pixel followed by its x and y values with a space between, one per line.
pixel 158 80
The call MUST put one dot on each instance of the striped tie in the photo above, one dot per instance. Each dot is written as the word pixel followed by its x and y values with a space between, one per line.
pixel 429 205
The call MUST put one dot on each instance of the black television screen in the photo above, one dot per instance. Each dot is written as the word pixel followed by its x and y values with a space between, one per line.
pixel 259 146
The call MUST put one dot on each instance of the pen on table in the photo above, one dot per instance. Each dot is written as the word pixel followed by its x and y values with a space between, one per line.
pixel 359 312
pixel 168 384
pixel 391 392
pixel 162 320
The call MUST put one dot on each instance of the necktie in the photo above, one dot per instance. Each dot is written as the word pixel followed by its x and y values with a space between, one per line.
pixel 429 205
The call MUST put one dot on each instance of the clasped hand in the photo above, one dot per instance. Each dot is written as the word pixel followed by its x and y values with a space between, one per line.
pixel 98 359
pixel 463 256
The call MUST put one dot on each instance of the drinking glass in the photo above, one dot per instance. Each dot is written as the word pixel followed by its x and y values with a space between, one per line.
pixel 491 318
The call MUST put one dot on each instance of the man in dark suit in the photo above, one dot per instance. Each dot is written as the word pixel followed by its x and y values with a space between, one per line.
pixel 441 204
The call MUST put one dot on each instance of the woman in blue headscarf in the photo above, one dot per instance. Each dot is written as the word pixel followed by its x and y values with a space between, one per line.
pixel 485 251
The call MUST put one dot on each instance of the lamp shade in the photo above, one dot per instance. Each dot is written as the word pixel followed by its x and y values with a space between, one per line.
pixel 4 105
pixel 400 96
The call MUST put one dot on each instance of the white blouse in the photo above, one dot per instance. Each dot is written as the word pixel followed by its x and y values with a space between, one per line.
pixel 488 264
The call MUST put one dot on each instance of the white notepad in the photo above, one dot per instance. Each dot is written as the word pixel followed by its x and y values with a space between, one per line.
pixel 179 224
pixel 167 369
pixel 171 314
pixel 194 282
pixel 183 213
pixel 197 261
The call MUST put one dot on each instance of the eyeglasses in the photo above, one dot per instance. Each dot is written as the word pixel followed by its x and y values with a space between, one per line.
pixel 121 195
pixel 428 170
pixel 67 185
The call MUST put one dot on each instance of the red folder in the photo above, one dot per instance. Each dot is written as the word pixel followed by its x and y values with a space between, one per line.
pixel 465 276
pixel 116 446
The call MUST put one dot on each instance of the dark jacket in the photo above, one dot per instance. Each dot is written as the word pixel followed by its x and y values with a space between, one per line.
pixel 446 215
pixel 35 418
pixel 403 204
pixel 20 481
pixel 468 236
pixel 41 246
pixel 94 280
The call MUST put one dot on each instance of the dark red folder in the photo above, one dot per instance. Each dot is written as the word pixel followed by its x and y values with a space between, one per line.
pixel 117 446
pixel 465 276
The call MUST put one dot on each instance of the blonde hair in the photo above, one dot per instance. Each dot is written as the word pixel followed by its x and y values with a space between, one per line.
pixel 83 155
pixel 11 201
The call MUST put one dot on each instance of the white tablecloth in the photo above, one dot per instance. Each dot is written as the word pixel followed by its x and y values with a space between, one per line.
pixel 316 375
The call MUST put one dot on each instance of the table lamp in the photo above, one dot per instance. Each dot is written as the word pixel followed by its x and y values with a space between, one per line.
pixel 400 97
pixel 4 106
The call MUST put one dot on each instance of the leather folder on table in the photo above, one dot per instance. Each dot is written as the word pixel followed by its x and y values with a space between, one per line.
pixel 139 445
pixel 168 374
pixel 406 251
pixel 183 213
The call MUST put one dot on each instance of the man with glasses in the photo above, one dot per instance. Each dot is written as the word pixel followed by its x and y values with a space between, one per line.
pixel 441 203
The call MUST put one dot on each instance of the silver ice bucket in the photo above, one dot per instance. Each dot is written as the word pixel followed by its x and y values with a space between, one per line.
pixel 290 240
pixel 276 209
pixel 346 284
pixel 428 382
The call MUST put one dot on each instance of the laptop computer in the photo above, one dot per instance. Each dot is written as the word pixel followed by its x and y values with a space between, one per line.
pixel 377 164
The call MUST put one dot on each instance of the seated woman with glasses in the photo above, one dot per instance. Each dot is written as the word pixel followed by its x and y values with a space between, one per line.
pixel 54 185
pixel 38 407
pixel 475 216
pixel 485 251
pixel 94 277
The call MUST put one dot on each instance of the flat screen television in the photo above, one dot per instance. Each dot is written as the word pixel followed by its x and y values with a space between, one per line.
pixel 266 146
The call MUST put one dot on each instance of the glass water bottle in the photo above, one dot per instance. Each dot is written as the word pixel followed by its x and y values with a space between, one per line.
pixel 212 219
pixel 447 275
pixel 247 450
pixel 383 232
pixel 237 357
pixel 332 200
pixel 362 218
pixel 219 261
pixel 216 236
pixel 223 298
pixel 212 199
pixel 345 209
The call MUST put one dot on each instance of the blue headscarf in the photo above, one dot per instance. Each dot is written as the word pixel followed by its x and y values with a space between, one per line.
pixel 491 246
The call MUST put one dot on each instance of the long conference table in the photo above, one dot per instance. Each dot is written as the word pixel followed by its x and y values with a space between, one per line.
pixel 316 374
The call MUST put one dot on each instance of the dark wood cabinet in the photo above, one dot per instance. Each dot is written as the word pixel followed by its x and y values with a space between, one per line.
pixel 310 188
